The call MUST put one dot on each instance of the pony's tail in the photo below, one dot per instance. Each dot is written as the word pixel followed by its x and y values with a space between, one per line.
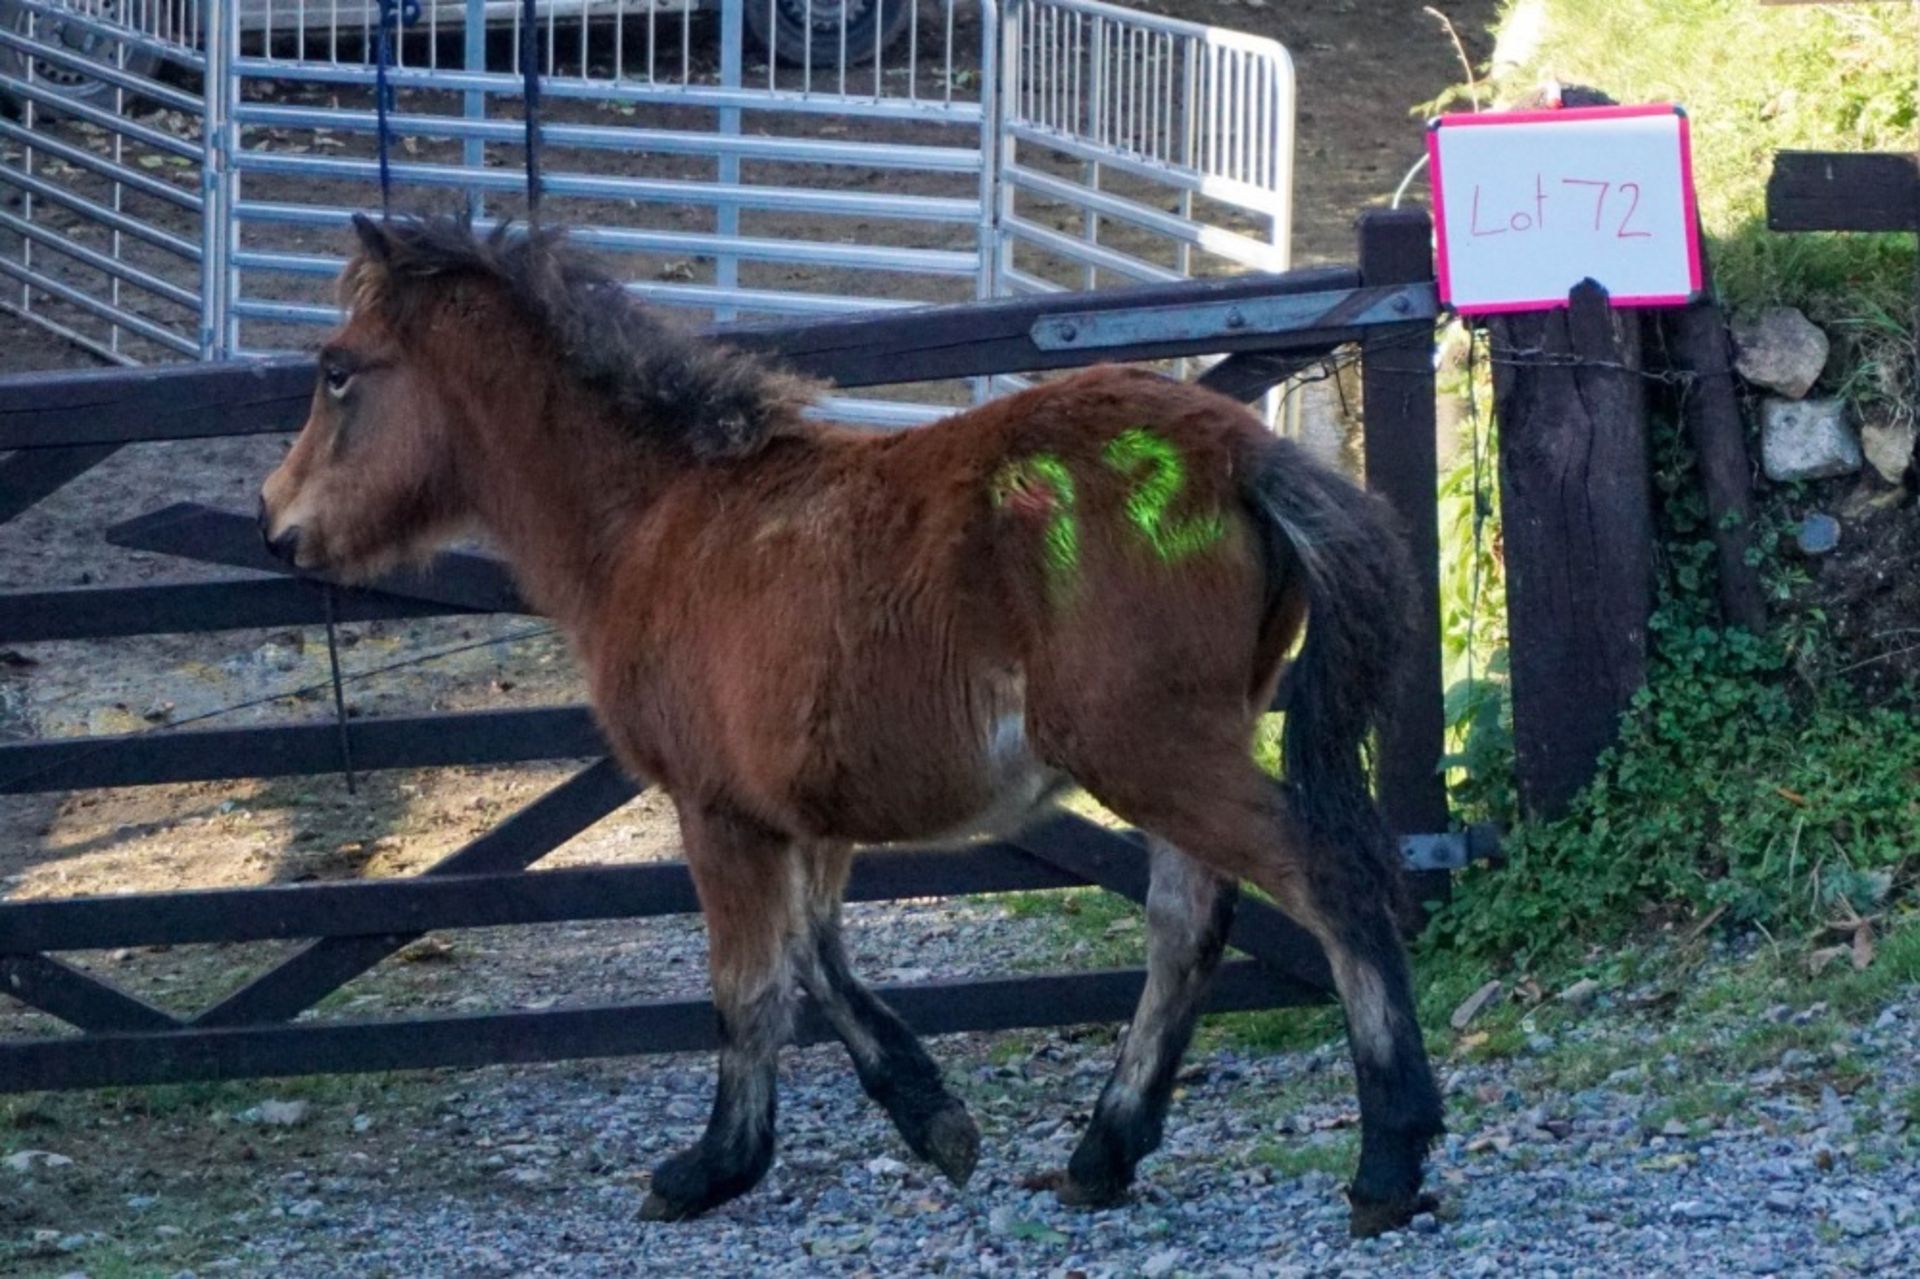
pixel 1346 546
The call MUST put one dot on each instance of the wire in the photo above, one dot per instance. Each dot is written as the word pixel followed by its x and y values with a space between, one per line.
pixel 339 696
pixel 418 659
pixel 1407 181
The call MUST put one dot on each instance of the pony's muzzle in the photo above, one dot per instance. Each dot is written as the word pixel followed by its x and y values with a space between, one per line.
pixel 284 546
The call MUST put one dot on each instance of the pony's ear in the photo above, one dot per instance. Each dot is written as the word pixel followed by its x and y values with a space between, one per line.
pixel 373 238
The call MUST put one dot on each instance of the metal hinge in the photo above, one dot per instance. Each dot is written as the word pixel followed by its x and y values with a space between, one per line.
pixel 1452 850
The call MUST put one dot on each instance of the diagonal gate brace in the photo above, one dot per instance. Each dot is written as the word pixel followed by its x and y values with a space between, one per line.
pixel 523 839
pixel 78 997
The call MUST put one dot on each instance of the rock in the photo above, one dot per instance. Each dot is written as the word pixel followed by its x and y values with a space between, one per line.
pixel 1889 447
pixel 24 1161
pixel 1806 440
pixel 1861 1221
pixel 1833 1112
pixel 1780 349
pixel 1810 1014
pixel 1475 1004
pixel 276 1114
pixel 1161 1263
pixel 1581 993
pixel 1819 533
pixel 1870 498
pixel 1782 1201
pixel 1426 1223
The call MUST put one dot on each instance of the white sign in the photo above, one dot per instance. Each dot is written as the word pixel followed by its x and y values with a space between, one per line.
pixel 1529 203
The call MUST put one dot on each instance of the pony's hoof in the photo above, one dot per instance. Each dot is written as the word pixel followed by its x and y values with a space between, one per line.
pixel 1074 1193
pixel 953 1143
pixel 660 1208
pixel 1370 1218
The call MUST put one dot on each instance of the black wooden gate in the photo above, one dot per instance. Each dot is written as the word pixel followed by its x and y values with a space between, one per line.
pixel 60 425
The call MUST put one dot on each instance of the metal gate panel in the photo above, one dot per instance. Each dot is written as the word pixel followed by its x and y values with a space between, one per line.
pixel 109 234
pixel 1139 148
pixel 196 204
pixel 732 185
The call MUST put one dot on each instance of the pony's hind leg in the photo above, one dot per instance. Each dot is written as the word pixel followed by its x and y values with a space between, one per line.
pixel 748 891
pixel 1189 910
pixel 892 1065
pixel 1210 800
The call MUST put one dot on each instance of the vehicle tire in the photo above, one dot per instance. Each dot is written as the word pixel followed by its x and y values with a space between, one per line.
pixel 784 26
pixel 68 82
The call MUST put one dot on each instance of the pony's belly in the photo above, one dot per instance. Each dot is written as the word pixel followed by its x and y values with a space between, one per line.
pixel 921 790
pixel 1005 813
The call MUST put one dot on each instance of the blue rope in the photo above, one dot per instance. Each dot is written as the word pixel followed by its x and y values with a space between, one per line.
pixel 394 14
pixel 530 90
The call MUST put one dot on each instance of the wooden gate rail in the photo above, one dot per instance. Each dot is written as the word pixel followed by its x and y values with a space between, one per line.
pixel 932 1008
pixel 61 425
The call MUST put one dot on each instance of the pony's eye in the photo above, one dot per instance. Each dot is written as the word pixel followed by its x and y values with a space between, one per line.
pixel 338 380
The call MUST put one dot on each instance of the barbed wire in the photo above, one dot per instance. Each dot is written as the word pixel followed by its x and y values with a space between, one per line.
pixel 1537 357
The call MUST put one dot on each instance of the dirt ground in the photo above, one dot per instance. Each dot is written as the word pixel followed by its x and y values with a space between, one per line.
pixel 1361 68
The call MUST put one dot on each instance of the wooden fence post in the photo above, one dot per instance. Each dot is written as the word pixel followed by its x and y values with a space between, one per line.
pixel 1698 346
pixel 1400 440
pixel 1577 523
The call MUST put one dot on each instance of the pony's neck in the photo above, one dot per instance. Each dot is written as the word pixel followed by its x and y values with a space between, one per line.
pixel 558 483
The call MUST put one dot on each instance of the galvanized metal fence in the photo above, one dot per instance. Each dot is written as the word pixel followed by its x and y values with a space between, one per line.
pixel 184 170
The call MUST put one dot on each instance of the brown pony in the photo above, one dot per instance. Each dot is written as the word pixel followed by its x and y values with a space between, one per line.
pixel 814 637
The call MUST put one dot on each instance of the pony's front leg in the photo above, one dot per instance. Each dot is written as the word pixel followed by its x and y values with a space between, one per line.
pixel 1189 909
pixel 893 1067
pixel 748 892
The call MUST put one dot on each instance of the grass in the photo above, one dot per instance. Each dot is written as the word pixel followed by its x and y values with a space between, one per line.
pixel 1702 1028
pixel 1756 79
pixel 1737 787
pixel 1700 1106
pixel 1333 1153
pixel 24 1112
pixel 193 1128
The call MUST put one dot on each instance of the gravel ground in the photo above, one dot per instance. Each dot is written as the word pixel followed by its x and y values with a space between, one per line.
pixel 1809 1170
pixel 1571 1185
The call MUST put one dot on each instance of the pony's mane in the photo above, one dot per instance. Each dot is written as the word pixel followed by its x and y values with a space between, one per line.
pixel 663 381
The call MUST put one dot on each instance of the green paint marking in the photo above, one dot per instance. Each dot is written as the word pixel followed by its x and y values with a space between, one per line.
pixel 1161 475
pixel 1043 482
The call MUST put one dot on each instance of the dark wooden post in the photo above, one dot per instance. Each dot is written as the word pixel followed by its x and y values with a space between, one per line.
pixel 1577 524
pixel 1397 389
pixel 1697 344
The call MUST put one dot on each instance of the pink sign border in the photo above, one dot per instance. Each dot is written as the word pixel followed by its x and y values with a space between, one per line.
pixel 1560 115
